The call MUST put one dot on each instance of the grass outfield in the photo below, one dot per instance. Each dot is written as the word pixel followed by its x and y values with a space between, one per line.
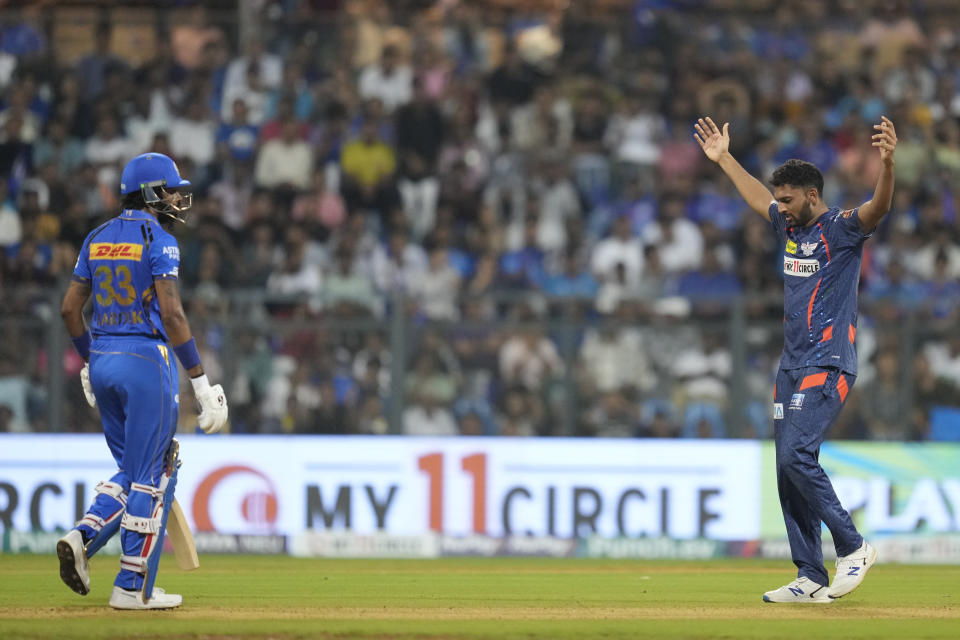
pixel 281 597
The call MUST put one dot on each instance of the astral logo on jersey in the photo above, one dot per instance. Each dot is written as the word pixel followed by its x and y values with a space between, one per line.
pixel 801 268
pixel 116 251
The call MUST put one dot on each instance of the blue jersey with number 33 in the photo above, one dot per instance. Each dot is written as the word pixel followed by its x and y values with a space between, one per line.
pixel 120 260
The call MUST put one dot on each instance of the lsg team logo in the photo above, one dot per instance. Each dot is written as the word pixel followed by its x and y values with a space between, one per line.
pixel 239 498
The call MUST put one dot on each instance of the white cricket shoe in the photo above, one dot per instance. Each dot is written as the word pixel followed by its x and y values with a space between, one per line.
pixel 851 570
pixel 123 599
pixel 800 591
pixel 73 562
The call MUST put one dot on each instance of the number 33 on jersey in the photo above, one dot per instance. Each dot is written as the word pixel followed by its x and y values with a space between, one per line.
pixel 120 261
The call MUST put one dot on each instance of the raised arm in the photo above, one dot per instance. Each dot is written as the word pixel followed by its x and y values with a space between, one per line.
pixel 716 146
pixel 873 210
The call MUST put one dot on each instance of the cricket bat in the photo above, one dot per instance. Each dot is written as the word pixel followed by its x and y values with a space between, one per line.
pixel 181 538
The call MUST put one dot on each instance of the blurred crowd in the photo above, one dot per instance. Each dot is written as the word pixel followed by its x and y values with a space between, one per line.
pixel 517 180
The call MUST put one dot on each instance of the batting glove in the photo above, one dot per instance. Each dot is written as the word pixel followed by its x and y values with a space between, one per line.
pixel 213 404
pixel 85 383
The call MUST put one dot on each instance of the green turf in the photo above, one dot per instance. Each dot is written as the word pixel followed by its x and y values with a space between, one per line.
pixel 261 597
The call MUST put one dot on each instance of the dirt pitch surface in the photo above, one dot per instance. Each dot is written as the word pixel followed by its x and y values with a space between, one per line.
pixel 283 598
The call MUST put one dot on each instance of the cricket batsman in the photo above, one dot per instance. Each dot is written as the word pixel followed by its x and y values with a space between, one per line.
pixel 130 266
pixel 822 248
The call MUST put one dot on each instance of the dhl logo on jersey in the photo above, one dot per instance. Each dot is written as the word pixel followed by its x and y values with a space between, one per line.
pixel 116 251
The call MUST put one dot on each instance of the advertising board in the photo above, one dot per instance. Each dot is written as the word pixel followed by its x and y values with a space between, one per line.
pixel 408 486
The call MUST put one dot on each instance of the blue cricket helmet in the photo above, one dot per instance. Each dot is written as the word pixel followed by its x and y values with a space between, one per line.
pixel 151 174
pixel 150 169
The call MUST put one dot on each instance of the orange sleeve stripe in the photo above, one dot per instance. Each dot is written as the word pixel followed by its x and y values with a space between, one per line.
pixel 813 380
pixel 810 304
pixel 852 334
pixel 842 388
pixel 825 245
pixel 827 334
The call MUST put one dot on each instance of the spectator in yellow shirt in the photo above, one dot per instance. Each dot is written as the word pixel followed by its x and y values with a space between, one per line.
pixel 369 168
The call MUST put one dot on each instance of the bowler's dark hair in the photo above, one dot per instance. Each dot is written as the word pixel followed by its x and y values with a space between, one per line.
pixel 798 173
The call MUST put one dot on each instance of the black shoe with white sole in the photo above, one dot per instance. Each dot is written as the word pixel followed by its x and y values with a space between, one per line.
pixel 73 562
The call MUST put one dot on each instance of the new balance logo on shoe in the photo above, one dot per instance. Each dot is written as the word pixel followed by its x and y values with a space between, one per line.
pixel 851 570
pixel 800 591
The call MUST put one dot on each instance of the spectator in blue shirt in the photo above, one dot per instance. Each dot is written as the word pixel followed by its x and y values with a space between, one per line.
pixel 237 139
pixel 523 268
pixel 711 287
pixel 574 281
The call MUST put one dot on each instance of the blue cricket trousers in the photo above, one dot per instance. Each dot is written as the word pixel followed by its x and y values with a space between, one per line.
pixel 806 402
pixel 135 382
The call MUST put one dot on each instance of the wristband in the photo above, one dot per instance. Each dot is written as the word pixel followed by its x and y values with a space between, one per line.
pixel 200 384
pixel 82 345
pixel 187 354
